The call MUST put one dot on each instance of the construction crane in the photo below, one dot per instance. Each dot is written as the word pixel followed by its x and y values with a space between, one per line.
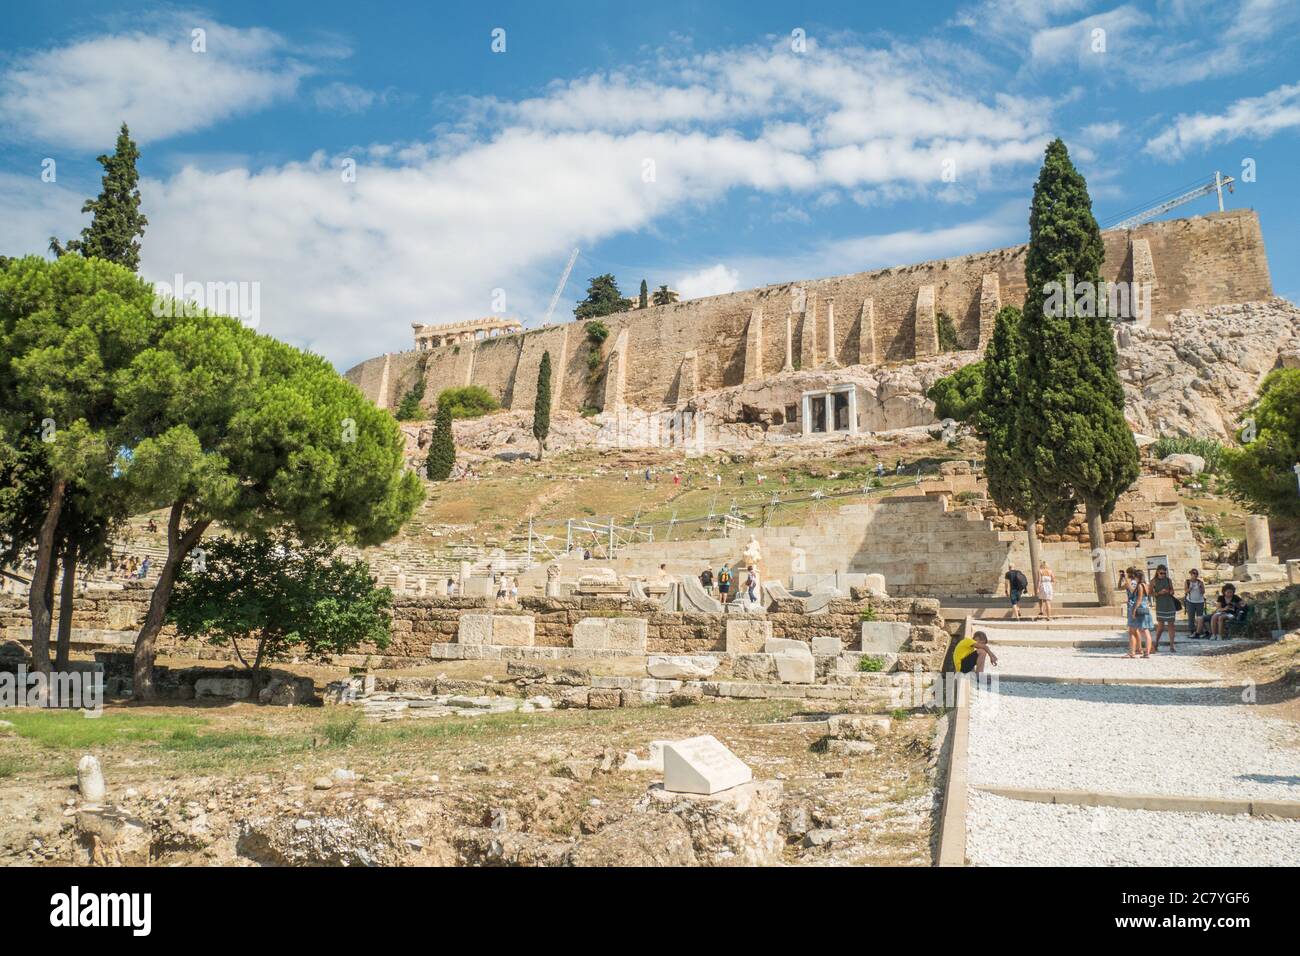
pixel 573 257
pixel 1214 185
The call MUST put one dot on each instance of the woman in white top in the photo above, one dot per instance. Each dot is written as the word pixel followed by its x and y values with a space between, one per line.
pixel 1046 589
pixel 1194 599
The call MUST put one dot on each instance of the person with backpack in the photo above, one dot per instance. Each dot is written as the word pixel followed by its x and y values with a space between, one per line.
pixel 1016 584
pixel 724 582
pixel 706 581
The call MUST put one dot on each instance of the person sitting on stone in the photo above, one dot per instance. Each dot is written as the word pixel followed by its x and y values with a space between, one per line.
pixel 1231 610
pixel 972 653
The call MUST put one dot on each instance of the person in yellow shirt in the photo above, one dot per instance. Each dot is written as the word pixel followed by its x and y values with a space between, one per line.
pixel 971 653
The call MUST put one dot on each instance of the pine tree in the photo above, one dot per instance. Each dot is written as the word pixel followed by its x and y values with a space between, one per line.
pixel 542 405
pixel 1073 423
pixel 645 295
pixel 665 296
pixel 116 223
pixel 603 298
pixel 442 448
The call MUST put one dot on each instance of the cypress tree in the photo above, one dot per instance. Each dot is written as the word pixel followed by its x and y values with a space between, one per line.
pixel 542 405
pixel 645 295
pixel 1073 424
pixel 442 448
pixel 116 223
pixel 999 423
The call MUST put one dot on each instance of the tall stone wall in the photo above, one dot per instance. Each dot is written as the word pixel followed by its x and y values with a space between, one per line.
pixel 1195 262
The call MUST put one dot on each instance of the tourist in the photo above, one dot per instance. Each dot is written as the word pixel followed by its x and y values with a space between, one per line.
pixel 662 579
pixel 152 526
pixel 724 582
pixel 1015 585
pixel 1162 590
pixel 514 591
pixel 132 566
pixel 971 654
pixel 751 585
pixel 880 469
pixel 1046 589
pixel 706 580
pixel 1138 607
pixel 647 476
pixel 1231 608
pixel 586 554
pixel 898 467
pixel 451 587
pixel 1194 601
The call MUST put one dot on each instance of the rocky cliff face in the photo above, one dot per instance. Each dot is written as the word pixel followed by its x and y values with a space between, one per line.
pixel 1198 376
pixel 1194 376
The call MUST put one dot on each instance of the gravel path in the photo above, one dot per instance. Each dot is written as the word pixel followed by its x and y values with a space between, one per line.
pixel 1101 662
pixel 1197 741
pixel 1184 740
pixel 1004 832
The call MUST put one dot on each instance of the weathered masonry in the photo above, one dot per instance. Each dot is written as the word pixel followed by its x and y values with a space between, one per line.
pixel 663 356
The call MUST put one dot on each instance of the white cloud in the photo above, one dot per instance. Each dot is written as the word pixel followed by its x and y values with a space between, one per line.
pixel 341 97
pixel 1095 133
pixel 1259 117
pixel 714 280
pixel 429 229
pixel 77 95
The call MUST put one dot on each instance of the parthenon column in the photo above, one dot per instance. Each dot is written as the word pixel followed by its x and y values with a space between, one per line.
pixel 789 343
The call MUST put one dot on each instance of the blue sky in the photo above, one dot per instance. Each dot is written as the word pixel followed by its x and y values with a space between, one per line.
pixel 708 146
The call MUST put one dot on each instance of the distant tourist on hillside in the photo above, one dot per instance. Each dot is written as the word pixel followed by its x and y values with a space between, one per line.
pixel 1162 591
pixel 586 554
pixel 706 580
pixel 1046 589
pixel 1015 584
pixel 145 565
pixel 451 587
pixel 972 653
pixel 898 467
pixel 152 526
pixel 724 582
pixel 1194 601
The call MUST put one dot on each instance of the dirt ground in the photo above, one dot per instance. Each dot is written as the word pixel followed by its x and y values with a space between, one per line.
pixel 240 784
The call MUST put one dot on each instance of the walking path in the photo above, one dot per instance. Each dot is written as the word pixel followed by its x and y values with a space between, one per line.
pixel 1189 735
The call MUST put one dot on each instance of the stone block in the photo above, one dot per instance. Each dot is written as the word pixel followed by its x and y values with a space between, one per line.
pixel 781 645
pixel 747 636
pixel 513 630
pixel 795 668
pixel 600 699
pixel 887 637
pixel 474 629
pixel 611 634
pixel 230 688
pixel 826 646
pixel 702 765
pixel 682 667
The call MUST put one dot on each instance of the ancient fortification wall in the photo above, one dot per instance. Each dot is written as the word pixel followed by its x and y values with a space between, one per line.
pixel 663 355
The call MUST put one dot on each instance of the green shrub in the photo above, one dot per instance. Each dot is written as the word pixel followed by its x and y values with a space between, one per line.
pixel 947 333
pixel 597 333
pixel 870 665
pixel 958 396
pixel 868 614
pixel 1206 448
pixel 469 401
